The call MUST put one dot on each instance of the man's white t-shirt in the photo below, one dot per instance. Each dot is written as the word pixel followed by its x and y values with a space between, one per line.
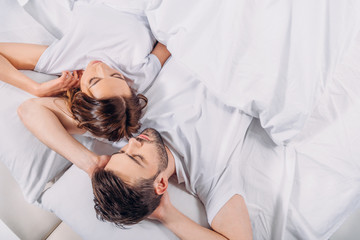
pixel 204 135
pixel 122 39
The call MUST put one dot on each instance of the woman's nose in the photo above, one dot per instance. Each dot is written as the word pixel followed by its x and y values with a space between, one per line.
pixel 100 70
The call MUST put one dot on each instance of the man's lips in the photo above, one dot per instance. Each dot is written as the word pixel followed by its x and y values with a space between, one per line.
pixel 144 137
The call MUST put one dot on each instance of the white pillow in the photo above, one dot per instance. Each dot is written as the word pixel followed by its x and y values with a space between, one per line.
pixel 27 158
pixel 31 163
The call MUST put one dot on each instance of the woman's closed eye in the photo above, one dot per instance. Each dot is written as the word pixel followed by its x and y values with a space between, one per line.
pixel 95 80
pixel 118 75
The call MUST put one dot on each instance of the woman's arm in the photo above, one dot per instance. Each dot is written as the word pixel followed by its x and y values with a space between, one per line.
pixel 51 122
pixel 23 56
pixel 161 52
pixel 231 222
pixel 14 56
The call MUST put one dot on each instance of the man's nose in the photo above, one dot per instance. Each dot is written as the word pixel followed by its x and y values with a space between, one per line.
pixel 133 144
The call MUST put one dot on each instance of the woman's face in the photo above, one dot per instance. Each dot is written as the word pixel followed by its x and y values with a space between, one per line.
pixel 101 81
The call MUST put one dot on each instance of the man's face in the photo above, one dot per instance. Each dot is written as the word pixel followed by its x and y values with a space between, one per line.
pixel 142 157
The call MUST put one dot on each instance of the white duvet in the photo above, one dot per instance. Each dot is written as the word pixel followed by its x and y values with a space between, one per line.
pixel 295 65
pixel 271 59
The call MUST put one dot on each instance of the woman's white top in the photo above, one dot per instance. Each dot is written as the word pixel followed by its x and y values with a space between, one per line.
pixel 122 39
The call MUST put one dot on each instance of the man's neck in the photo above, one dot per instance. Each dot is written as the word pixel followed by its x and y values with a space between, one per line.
pixel 171 169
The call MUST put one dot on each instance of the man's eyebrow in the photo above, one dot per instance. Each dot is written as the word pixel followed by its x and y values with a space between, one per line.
pixel 132 158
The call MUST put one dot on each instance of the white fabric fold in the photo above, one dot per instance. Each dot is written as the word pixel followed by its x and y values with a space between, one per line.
pixel 271 59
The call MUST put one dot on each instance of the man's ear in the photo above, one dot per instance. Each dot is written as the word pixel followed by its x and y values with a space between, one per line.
pixel 161 184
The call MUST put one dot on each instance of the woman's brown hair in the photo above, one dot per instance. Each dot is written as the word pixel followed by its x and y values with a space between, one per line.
pixel 111 118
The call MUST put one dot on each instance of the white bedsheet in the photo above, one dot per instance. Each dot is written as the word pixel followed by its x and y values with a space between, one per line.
pixel 327 162
pixel 307 189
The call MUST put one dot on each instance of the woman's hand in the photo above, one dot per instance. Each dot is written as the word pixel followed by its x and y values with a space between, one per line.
pixel 66 81
pixel 96 163
pixel 103 160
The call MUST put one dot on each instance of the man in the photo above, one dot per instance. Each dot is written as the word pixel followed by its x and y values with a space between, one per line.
pixel 130 186
pixel 202 140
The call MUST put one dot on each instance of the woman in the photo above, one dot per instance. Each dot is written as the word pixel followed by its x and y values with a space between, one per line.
pixel 111 111
pixel 124 44
pixel 51 119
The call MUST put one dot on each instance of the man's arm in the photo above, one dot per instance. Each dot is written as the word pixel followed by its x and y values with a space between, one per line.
pixel 50 121
pixel 23 56
pixel 231 222
pixel 233 219
pixel 161 52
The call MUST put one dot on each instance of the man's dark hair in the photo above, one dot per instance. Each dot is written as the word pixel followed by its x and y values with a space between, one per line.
pixel 121 203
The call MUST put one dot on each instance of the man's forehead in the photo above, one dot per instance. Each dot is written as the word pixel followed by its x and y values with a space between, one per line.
pixel 125 155
pixel 114 166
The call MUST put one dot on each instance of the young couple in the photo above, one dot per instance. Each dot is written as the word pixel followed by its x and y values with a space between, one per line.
pixel 130 185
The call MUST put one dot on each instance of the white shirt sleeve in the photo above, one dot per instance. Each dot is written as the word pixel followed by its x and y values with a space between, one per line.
pixel 144 74
pixel 218 191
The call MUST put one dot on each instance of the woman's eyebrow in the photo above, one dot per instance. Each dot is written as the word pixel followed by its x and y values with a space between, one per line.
pixel 92 80
pixel 117 75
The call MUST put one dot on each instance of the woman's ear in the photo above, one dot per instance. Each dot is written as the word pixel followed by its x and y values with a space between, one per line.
pixel 161 184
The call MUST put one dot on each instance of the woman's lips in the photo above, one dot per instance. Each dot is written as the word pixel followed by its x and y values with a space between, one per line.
pixel 93 62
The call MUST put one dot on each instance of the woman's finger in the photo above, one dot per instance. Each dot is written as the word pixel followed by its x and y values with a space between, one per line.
pixel 74 83
pixel 80 73
pixel 75 74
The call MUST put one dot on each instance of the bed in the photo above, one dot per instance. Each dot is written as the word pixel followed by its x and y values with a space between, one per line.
pixel 299 163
